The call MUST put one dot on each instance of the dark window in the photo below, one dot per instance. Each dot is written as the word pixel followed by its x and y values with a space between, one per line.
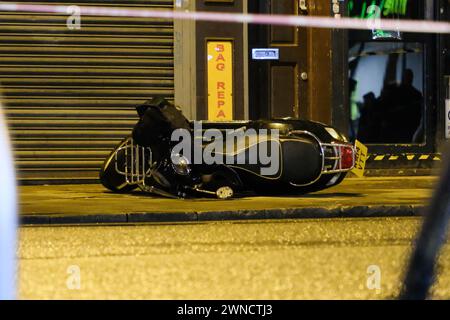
pixel 387 92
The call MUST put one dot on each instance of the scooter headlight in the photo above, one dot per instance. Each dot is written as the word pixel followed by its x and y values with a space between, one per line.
pixel 181 165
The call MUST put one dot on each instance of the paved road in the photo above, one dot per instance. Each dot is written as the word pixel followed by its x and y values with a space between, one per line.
pixel 298 259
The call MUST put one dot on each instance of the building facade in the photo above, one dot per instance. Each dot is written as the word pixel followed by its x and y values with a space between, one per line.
pixel 70 89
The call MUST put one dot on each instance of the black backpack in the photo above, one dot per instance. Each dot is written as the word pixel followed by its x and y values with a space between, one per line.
pixel 158 119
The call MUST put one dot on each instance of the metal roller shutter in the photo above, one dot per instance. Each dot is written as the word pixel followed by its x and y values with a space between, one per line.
pixel 69 95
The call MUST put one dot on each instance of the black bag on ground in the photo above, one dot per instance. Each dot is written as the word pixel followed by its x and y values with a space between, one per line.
pixel 158 119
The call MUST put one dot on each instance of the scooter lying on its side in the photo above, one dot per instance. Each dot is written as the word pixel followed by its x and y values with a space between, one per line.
pixel 222 159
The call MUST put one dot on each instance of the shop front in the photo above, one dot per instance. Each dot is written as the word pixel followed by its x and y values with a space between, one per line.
pixel 396 85
pixel 70 93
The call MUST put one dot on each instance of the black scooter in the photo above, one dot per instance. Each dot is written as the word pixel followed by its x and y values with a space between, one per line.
pixel 309 156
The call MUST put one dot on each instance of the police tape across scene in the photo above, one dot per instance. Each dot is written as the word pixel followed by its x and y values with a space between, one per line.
pixel 416 26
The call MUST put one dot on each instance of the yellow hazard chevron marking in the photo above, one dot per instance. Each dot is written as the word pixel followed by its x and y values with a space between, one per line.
pixel 409 157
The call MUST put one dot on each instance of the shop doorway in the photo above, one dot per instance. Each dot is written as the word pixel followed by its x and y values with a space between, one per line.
pixel 391 80
pixel 276 86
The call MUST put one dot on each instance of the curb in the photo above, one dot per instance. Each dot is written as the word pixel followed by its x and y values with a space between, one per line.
pixel 272 214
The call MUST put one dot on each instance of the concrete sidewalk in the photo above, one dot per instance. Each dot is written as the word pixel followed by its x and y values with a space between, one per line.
pixel 92 204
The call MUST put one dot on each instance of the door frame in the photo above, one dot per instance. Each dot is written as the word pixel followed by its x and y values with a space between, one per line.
pixel 259 71
pixel 324 91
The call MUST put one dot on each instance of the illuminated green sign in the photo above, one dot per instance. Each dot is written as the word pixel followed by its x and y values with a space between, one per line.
pixel 385 9
pixel 364 9
pixel 394 7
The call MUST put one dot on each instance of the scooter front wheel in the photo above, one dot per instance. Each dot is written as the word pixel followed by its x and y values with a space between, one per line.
pixel 224 193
